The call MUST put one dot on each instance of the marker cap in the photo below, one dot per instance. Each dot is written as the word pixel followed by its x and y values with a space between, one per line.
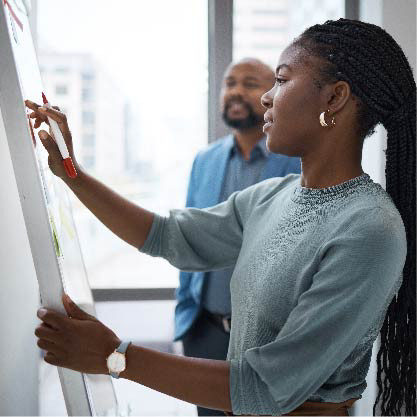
pixel 69 168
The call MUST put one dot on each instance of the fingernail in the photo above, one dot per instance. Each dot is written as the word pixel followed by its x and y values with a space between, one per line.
pixel 43 134
pixel 41 312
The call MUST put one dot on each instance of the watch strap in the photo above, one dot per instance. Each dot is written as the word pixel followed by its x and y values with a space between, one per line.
pixel 123 347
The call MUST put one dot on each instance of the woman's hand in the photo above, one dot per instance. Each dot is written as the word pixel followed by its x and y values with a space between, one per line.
pixel 40 115
pixel 79 342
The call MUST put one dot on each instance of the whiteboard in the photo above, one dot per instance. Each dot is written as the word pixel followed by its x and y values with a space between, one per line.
pixel 45 203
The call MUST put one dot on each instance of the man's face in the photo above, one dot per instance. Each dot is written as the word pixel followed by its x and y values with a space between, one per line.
pixel 243 86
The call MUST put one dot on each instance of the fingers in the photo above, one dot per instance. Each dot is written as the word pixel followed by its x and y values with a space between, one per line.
pixel 32 105
pixel 43 331
pixel 53 319
pixel 39 118
pixel 50 145
pixel 56 115
pixel 35 107
pixel 48 346
pixel 74 311
pixel 51 359
pixel 39 121
pixel 41 113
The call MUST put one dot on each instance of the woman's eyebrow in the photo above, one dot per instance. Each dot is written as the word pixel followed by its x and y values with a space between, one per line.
pixel 282 66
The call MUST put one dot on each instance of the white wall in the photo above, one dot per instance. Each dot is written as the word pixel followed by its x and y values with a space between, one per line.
pixel 399 19
pixel 19 354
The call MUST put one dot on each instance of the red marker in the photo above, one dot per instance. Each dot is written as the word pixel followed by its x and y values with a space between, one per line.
pixel 60 141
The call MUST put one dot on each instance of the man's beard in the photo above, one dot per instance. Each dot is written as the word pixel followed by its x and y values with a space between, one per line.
pixel 250 121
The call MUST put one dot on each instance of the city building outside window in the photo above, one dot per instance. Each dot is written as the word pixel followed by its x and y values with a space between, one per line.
pixel 263 28
pixel 89 141
pixel 88 117
pixel 61 90
pixel 137 108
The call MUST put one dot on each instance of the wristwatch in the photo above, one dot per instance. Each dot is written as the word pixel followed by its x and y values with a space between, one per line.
pixel 116 361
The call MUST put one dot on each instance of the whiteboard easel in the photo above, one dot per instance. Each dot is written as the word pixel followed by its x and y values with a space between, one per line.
pixel 43 200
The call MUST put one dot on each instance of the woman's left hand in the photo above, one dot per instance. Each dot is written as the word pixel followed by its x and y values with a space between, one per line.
pixel 79 342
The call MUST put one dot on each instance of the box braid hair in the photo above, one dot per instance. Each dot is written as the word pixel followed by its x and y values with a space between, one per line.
pixel 380 77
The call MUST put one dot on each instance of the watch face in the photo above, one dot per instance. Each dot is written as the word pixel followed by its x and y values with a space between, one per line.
pixel 116 362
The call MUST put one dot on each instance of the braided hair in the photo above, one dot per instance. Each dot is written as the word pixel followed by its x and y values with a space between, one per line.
pixel 380 77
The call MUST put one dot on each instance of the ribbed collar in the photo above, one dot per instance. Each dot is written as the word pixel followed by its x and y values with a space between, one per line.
pixel 316 196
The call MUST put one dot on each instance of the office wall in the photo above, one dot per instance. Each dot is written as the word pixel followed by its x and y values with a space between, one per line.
pixel 19 354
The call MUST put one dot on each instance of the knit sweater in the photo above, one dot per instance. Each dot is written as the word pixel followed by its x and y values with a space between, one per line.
pixel 316 270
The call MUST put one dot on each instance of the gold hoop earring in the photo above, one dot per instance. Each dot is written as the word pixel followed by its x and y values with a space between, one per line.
pixel 323 121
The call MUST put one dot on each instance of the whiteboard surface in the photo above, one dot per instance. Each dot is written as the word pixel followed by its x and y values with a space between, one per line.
pixel 46 208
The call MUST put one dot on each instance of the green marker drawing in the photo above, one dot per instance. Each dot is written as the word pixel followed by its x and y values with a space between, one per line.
pixel 55 235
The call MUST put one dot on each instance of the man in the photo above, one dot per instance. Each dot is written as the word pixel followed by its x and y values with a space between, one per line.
pixel 202 316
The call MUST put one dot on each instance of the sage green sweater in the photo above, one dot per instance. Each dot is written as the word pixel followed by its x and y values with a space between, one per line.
pixel 315 272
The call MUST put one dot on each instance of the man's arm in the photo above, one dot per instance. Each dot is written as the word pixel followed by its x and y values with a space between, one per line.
pixel 124 218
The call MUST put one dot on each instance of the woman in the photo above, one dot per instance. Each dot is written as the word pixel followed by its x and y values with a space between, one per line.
pixel 319 257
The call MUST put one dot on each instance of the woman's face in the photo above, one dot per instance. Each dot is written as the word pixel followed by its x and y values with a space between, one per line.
pixel 293 105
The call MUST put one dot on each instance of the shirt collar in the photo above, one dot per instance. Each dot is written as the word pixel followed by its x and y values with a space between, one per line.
pixel 259 147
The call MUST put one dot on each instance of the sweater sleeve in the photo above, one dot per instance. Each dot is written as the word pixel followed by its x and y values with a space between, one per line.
pixel 194 239
pixel 359 272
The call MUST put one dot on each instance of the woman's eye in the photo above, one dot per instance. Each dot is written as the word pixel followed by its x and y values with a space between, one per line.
pixel 279 81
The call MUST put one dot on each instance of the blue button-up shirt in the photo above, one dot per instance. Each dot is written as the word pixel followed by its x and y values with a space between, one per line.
pixel 239 175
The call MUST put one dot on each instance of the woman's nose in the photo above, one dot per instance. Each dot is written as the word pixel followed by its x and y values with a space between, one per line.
pixel 266 100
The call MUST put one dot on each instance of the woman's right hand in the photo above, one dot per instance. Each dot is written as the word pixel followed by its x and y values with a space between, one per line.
pixel 41 114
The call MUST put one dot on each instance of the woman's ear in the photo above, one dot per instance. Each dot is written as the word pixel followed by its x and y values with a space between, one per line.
pixel 339 95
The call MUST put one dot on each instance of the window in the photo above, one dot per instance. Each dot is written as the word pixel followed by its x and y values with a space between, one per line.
pixel 263 28
pixel 87 94
pixel 147 154
pixel 89 141
pixel 61 70
pixel 88 75
pixel 89 162
pixel 269 12
pixel 271 29
pixel 61 90
pixel 88 117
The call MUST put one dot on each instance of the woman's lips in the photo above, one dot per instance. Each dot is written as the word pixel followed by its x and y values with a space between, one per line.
pixel 266 126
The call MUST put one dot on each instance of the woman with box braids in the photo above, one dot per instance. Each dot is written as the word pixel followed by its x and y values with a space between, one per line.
pixel 321 258
pixel 374 65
